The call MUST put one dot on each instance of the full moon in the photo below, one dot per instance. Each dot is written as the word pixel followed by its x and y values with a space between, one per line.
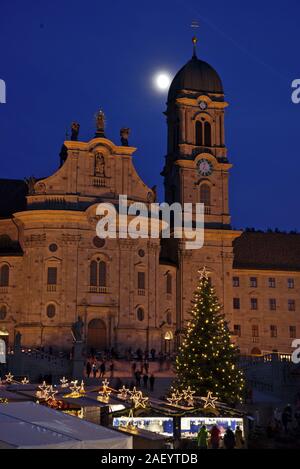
pixel 162 81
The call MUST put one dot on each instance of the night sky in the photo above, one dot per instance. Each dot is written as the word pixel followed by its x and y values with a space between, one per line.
pixel 63 60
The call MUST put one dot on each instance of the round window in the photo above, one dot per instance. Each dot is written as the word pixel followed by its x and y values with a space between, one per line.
pixel 141 253
pixel 140 314
pixel 53 247
pixel 50 311
pixel 3 312
pixel 98 242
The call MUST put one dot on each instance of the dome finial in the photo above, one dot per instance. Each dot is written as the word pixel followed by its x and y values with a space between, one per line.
pixel 194 41
pixel 194 25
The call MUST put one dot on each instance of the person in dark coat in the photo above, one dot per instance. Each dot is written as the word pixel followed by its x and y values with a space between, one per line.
pixel 151 382
pixel 229 439
pixel 88 368
pixel 138 377
pixel 102 369
pixel 145 380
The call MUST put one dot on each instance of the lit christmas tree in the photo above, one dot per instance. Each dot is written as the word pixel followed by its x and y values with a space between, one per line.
pixel 207 360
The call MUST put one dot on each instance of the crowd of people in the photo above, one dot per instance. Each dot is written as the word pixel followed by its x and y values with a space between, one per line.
pixel 284 421
pixel 212 439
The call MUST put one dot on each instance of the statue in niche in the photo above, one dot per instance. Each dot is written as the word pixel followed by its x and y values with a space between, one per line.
pixel 124 134
pixel 75 131
pixel 99 165
pixel 77 329
pixel 30 184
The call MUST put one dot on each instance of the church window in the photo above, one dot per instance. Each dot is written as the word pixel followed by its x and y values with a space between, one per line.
pixel 140 314
pixel 102 274
pixel 3 312
pixel 51 311
pixel 53 247
pixel 52 276
pixel 4 276
pixel 141 281
pixel 98 273
pixel 199 134
pixel 203 133
pixel 207 134
pixel 205 196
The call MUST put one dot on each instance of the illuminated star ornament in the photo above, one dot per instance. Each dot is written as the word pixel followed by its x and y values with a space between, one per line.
pixel 123 393
pixel 105 392
pixel 82 389
pixel 9 378
pixel 75 394
pixel 203 274
pixel 175 398
pixel 209 400
pixel 64 383
pixel 25 380
pixel 188 396
pixel 139 401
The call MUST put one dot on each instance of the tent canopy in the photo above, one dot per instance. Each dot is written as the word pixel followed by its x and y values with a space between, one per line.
pixel 30 425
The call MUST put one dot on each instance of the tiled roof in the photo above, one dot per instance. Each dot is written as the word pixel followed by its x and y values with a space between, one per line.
pixel 274 251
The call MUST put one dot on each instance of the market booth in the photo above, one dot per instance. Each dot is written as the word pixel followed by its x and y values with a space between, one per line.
pixel 29 425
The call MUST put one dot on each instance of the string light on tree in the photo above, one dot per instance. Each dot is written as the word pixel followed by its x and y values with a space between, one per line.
pixel 206 358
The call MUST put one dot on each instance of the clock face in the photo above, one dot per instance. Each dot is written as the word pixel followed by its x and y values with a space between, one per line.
pixel 205 168
pixel 203 105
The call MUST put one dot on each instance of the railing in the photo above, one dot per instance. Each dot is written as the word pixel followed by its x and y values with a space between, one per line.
pixel 99 181
pixel 96 289
pixel 207 210
pixel 3 289
pixel 51 287
pixel 141 292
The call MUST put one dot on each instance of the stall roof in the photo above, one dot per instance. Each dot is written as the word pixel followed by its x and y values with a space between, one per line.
pixel 29 425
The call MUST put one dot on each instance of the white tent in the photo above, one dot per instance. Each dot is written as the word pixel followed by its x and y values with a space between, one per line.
pixel 30 425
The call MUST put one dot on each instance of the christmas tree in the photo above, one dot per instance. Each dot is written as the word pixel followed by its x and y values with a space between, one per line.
pixel 207 360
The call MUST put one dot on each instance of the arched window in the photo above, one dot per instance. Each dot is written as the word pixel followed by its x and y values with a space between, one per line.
pixel 93 273
pixel 140 314
pixel 98 273
pixel 4 276
pixel 169 283
pixel 205 195
pixel 51 311
pixel 3 312
pixel 102 274
pixel 199 134
pixel 207 134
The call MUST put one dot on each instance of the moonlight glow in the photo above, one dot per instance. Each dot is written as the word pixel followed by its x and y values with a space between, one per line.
pixel 162 81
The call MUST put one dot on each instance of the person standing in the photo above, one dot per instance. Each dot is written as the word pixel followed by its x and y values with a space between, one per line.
pixel 133 368
pixel 229 439
pixel 102 369
pixel 239 441
pixel 151 382
pixel 202 437
pixel 88 368
pixel 215 437
pixel 94 369
pixel 146 366
pixel 138 378
pixel 145 380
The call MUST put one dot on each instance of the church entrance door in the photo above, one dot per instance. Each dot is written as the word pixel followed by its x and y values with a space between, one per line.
pixel 97 335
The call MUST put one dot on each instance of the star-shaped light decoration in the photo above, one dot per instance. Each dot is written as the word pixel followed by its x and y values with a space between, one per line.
pixel 64 383
pixel 3 400
pixel 123 393
pixel 104 393
pixel 209 400
pixel 175 398
pixel 203 273
pixel 188 396
pixel 75 390
pixel 139 401
pixel 25 380
pixel 51 393
pixel 9 378
pixel 42 391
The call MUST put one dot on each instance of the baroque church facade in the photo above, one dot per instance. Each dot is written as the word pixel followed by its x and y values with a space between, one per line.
pixel 137 292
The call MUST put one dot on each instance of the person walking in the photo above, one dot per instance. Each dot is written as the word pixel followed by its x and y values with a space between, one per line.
pixel 229 439
pixel 133 368
pixel 202 437
pixel 112 369
pixel 215 437
pixel 94 369
pixel 102 369
pixel 88 368
pixel 146 366
pixel 151 382
pixel 239 441
pixel 145 380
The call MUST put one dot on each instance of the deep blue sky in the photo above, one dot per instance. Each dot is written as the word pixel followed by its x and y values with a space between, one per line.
pixel 62 60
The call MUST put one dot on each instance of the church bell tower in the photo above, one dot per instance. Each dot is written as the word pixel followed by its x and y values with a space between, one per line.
pixel 196 168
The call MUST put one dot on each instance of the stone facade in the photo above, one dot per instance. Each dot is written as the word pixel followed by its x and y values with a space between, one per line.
pixel 137 292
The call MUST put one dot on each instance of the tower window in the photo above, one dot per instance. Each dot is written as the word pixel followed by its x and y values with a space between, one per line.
pixel 98 273
pixel 140 314
pixel 199 134
pixel 4 276
pixel 205 197
pixel 207 134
